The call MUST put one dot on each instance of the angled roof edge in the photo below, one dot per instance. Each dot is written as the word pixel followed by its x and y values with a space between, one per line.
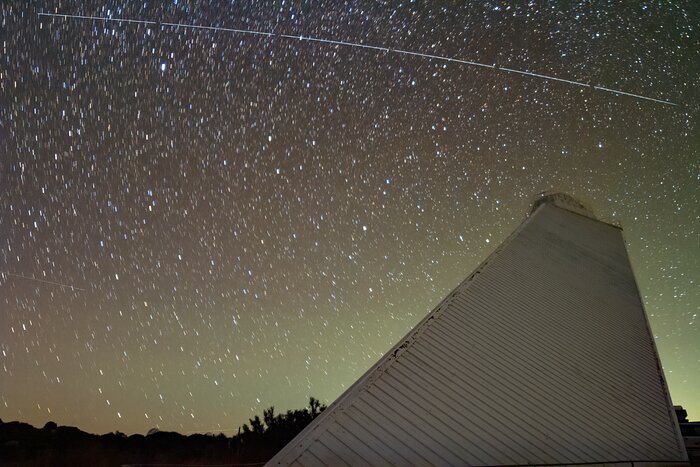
pixel 296 444
pixel 664 383
pixel 657 358
pixel 546 199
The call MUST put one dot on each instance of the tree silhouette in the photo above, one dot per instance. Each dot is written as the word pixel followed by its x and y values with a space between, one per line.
pixel 54 445
pixel 269 417
pixel 314 405
pixel 257 425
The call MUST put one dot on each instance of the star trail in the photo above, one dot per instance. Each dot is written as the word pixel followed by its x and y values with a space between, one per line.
pixel 200 222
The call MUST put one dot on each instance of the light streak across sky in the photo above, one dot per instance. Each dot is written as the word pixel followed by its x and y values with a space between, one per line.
pixel 364 46
pixel 43 281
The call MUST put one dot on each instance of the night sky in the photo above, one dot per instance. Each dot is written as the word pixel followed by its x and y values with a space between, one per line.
pixel 255 220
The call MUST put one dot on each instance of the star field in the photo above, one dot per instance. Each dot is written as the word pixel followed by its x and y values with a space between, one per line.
pixel 254 220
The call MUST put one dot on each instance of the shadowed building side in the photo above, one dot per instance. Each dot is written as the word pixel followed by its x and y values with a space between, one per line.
pixel 542 356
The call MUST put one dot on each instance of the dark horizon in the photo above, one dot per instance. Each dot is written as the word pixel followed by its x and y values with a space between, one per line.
pixel 25 444
pixel 56 445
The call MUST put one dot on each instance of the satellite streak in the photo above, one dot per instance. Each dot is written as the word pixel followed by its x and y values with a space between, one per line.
pixel 364 46
pixel 66 286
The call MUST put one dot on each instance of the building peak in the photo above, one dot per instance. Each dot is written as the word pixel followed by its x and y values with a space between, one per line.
pixel 562 200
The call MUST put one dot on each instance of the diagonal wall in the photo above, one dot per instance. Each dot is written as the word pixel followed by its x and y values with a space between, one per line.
pixel 542 356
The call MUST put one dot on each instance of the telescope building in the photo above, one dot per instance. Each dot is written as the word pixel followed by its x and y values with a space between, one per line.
pixel 542 356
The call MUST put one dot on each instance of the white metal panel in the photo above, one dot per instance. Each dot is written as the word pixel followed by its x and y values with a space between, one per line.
pixel 542 356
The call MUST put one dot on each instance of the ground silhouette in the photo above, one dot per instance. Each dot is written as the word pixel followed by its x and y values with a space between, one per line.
pixel 22 444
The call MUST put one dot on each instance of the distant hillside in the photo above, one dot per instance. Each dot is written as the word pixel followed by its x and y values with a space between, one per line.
pixel 22 444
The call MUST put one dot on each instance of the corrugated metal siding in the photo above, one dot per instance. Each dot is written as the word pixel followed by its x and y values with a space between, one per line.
pixel 542 356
